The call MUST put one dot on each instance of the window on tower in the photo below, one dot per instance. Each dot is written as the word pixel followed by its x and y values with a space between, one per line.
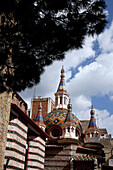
pixel 60 99
pixel 64 100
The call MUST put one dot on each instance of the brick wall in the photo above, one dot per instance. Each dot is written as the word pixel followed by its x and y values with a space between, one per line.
pixel 35 106
pixel 5 103
pixel 45 107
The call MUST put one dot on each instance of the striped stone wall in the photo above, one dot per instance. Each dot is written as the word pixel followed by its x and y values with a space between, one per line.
pixel 36 154
pixel 58 156
pixel 16 144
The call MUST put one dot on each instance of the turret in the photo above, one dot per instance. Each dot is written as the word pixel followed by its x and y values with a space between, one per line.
pixel 39 119
pixel 61 96
pixel 69 128
pixel 92 137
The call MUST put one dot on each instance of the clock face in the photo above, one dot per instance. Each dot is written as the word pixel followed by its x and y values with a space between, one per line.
pixel 55 132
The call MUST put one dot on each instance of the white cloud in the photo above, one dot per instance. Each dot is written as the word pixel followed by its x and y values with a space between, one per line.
pixel 111 98
pixel 50 78
pixel 106 39
pixel 81 103
pixel 92 79
pixel 107 123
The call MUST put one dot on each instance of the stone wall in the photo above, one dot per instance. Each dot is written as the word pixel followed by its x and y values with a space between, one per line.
pixel 5 104
pixel 58 156
pixel 108 146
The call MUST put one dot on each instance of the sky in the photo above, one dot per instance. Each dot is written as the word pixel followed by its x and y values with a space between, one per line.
pixel 88 76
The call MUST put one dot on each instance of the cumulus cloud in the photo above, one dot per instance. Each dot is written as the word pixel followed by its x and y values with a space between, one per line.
pixel 93 79
pixel 50 78
pixel 106 40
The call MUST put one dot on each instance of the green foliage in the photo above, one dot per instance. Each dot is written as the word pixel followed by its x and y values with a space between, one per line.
pixel 34 33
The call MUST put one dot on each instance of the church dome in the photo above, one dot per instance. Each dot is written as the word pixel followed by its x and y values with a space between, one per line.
pixel 61 117
pixel 57 117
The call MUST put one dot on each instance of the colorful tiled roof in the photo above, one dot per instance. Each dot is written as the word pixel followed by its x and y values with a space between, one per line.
pixel 57 117
pixel 92 123
pixel 39 119
pixel 62 86
pixel 69 119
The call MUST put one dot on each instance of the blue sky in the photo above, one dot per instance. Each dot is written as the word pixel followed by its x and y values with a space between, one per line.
pixel 89 77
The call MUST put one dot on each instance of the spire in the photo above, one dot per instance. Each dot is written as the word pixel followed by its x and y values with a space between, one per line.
pixel 62 86
pixel 69 119
pixel 61 96
pixel 69 128
pixel 92 123
pixel 39 118
pixel 92 133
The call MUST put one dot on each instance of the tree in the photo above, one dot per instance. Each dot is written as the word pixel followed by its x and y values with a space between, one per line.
pixel 34 33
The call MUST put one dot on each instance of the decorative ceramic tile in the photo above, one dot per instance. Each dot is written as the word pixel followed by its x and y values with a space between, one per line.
pixel 58 118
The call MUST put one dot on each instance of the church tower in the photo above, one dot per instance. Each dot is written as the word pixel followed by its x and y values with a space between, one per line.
pixel 61 96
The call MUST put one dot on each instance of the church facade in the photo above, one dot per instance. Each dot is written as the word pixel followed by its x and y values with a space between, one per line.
pixel 69 145
pixel 51 137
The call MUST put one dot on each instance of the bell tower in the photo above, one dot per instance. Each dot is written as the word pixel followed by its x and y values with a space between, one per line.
pixel 61 96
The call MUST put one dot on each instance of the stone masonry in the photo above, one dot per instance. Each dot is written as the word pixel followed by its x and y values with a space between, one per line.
pixel 5 104
pixel 58 156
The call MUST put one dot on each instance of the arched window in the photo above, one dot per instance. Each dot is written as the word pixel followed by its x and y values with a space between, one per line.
pixel 64 100
pixel 60 99
pixel 68 129
pixel 96 134
pixel 72 129
pixel 92 134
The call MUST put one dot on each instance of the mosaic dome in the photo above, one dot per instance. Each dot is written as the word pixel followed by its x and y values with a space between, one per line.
pixel 57 117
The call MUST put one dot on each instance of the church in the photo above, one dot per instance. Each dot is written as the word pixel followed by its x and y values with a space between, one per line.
pixel 51 137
